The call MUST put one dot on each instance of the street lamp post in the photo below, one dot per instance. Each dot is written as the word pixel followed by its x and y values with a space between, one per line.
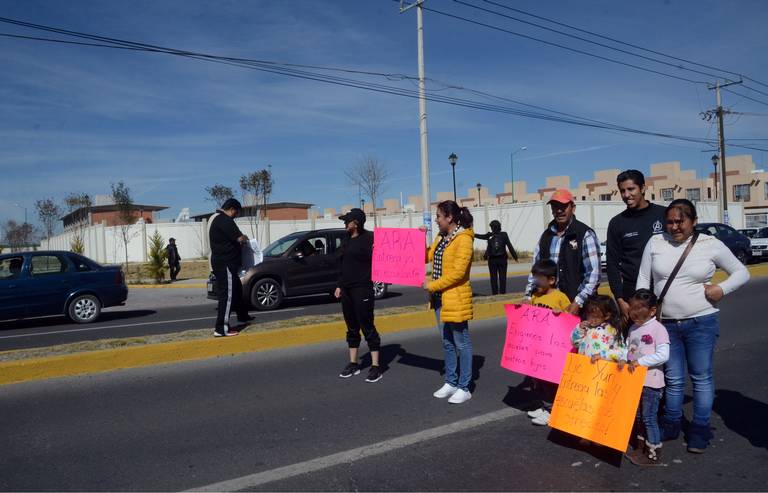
pixel 512 169
pixel 25 211
pixel 715 160
pixel 479 202
pixel 452 159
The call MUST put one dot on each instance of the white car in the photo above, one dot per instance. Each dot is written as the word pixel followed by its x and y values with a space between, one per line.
pixel 759 244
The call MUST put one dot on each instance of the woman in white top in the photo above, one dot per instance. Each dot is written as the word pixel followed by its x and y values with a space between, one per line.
pixel 690 314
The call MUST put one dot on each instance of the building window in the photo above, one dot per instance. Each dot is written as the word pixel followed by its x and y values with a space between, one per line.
pixel 693 194
pixel 605 197
pixel 765 186
pixel 653 196
pixel 667 194
pixel 709 192
pixel 741 193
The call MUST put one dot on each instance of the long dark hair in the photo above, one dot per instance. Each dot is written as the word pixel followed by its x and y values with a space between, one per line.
pixel 607 306
pixel 460 215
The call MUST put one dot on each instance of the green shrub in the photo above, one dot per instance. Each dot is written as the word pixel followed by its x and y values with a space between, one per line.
pixel 157 257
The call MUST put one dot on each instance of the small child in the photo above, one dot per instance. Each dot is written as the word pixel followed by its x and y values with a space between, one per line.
pixel 648 345
pixel 597 335
pixel 546 295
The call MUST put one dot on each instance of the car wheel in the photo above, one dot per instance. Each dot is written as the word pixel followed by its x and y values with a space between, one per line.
pixel 266 294
pixel 380 290
pixel 84 309
pixel 742 256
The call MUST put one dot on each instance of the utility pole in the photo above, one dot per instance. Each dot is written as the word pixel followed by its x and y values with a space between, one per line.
pixel 721 135
pixel 425 195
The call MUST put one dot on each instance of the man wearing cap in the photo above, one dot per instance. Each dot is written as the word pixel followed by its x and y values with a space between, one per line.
pixel 174 260
pixel 226 241
pixel 355 289
pixel 573 246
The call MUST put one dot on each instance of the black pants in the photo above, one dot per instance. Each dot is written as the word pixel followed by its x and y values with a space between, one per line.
pixel 229 291
pixel 174 270
pixel 357 305
pixel 498 269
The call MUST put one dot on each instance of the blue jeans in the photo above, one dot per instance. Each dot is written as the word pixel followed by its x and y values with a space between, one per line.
pixel 648 412
pixel 457 348
pixel 692 345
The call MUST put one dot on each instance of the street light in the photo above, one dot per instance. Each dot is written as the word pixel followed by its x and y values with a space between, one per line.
pixel 715 161
pixel 512 169
pixel 25 211
pixel 479 202
pixel 452 159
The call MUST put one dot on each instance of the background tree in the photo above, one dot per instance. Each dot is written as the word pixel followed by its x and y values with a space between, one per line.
pixel 218 193
pixel 78 201
pixel 49 213
pixel 256 188
pixel 370 175
pixel 157 257
pixel 18 235
pixel 121 195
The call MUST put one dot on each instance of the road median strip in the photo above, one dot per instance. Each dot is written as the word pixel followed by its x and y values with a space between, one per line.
pixel 116 354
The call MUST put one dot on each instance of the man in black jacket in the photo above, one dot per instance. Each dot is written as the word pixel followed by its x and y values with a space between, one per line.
pixel 628 233
pixel 356 292
pixel 174 260
pixel 496 254
pixel 226 241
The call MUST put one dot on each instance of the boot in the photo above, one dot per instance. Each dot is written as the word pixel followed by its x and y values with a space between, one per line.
pixel 650 455
pixel 698 438
pixel 670 430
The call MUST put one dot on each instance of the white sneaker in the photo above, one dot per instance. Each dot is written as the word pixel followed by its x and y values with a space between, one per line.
pixel 536 413
pixel 460 396
pixel 542 420
pixel 446 390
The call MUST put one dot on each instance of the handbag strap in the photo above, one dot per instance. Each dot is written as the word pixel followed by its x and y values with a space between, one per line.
pixel 677 267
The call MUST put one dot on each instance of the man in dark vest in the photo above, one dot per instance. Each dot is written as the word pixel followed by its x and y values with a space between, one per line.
pixel 573 246
pixel 174 260
pixel 628 233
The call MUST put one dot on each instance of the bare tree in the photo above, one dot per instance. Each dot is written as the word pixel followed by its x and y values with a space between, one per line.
pixel 218 193
pixel 121 195
pixel 370 175
pixel 81 202
pixel 48 212
pixel 256 188
pixel 18 235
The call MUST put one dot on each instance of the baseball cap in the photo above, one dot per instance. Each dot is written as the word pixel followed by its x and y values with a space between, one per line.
pixel 354 215
pixel 231 204
pixel 562 196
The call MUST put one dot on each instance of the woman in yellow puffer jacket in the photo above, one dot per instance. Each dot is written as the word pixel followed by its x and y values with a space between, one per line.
pixel 451 296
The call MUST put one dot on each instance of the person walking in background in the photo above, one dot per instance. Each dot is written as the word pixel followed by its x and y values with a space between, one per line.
pixel 174 260
pixel 681 264
pixel 573 246
pixel 226 242
pixel 628 233
pixel 451 296
pixel 355 289
pixel 496 254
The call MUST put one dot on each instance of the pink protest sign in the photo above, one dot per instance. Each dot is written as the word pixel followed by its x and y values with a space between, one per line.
pixel 538 341
pixel 398 256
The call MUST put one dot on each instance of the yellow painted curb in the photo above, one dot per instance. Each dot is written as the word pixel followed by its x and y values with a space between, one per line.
pixel 167 286
pixel 173 352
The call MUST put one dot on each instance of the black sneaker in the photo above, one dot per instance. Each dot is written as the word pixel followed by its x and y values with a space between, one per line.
pixel 248 318
pixel 350 370
pixel 374 374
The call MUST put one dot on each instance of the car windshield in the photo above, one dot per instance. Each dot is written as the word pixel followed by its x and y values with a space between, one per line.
pixel 763 233
pixel 282 245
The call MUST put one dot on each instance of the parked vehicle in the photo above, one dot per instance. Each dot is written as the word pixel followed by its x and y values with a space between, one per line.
pixel 300 264
pixel 748 232
pixel 760 244
pixel 34 284
pixel 735 241
pixel 603 256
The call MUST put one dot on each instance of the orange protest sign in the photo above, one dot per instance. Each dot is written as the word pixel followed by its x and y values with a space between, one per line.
pixel 597 401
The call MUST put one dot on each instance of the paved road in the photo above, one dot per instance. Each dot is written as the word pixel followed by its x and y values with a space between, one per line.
pixel 161 311
pixel 277 416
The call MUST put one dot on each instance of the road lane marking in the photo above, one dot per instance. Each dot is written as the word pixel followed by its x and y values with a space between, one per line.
pixel 356 454
pixel 138 324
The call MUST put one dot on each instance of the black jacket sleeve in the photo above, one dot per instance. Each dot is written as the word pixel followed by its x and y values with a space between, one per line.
pixel 482 236
pixel 613 247
pixel 510 247
pixel 230 229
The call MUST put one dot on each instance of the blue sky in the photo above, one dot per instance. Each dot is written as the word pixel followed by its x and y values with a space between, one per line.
pixel 76 119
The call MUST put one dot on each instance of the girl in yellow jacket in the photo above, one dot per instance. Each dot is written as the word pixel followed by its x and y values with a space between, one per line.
pixel 451 296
